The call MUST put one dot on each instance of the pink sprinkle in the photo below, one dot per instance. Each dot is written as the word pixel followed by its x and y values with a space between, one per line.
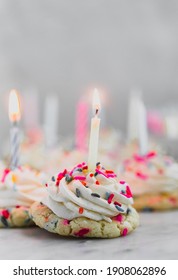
pixel 79 178
pixel 122 182
pixel 60 176
pixel 151 154
pixel 125 231
pixel 173 200
pixel 79 165
pixel 126 162
pixel 139 158
pixel 112 175
pixel 65 222
pixel 129 193
pixel 82 232
pixel 5 172
pixel 141 175
pixel 71 172
pixel 119 218
pixel 100 172
pixel 64 172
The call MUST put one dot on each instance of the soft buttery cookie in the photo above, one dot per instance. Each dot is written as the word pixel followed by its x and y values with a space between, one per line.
pixel 154 180
pixel 19 188
pixel 86 204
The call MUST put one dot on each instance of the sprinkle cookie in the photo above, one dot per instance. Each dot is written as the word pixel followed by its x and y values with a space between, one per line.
pixel 15 217
pixel 121 225
pixel 82 203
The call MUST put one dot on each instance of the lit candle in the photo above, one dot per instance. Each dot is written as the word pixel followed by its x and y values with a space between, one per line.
pixel 14 116
pixel 94 133
pixel 81 125
pixel 142 128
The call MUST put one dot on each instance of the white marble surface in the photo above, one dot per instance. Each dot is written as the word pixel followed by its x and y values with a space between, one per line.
pixel 156 238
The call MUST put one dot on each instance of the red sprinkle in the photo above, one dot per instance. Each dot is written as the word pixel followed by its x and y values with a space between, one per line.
pixel 85 167
pixel 109 171
pixel 124 232
pixel 17 206
pixel 81 210
pixel 119 218
pixel 91 175
pixel 97 183
pixel 117 203
pixel 82 232
pixel 141 175
pixel 46 185
pixel 5 214
pixel 84 183
pixel 110 198
pixel 5 172
pixel 122 182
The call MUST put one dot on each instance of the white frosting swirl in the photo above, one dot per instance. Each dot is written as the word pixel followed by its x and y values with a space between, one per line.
pixel 21 187
pixel 153 175
pixel 68 198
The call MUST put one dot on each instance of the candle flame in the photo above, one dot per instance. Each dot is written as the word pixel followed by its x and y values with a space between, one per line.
pixel 96 102
pixel 14 106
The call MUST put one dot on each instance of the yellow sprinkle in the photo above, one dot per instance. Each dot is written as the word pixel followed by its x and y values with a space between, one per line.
pixel 14 178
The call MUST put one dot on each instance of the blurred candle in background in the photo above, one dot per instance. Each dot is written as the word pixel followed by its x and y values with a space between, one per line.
pixel 81 124
pixel 94 133
pixel 142 128
pixel 137 121
pixel 14 117
pixel 51 120
pixel 132 129
pixel 31 115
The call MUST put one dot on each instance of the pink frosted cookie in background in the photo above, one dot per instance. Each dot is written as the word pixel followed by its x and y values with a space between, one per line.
pixel 154 181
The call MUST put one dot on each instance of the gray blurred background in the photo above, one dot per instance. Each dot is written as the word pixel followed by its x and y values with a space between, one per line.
pixel 67 47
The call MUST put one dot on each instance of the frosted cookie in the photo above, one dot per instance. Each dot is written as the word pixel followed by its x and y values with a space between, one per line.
pixel 154 180
pixel 19 188
pixel 85 204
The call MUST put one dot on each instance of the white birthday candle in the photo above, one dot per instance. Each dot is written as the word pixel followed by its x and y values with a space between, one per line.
pixel 94 133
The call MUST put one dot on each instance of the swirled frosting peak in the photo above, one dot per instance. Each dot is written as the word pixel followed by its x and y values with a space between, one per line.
pixel 21 187
pixel 95 195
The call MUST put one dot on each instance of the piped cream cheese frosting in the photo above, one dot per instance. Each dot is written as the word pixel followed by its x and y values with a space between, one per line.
pixel 21 187
pixel 97 195
pixel 151 173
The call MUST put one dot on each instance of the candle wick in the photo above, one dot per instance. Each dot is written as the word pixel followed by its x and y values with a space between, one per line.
pixel 97 110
